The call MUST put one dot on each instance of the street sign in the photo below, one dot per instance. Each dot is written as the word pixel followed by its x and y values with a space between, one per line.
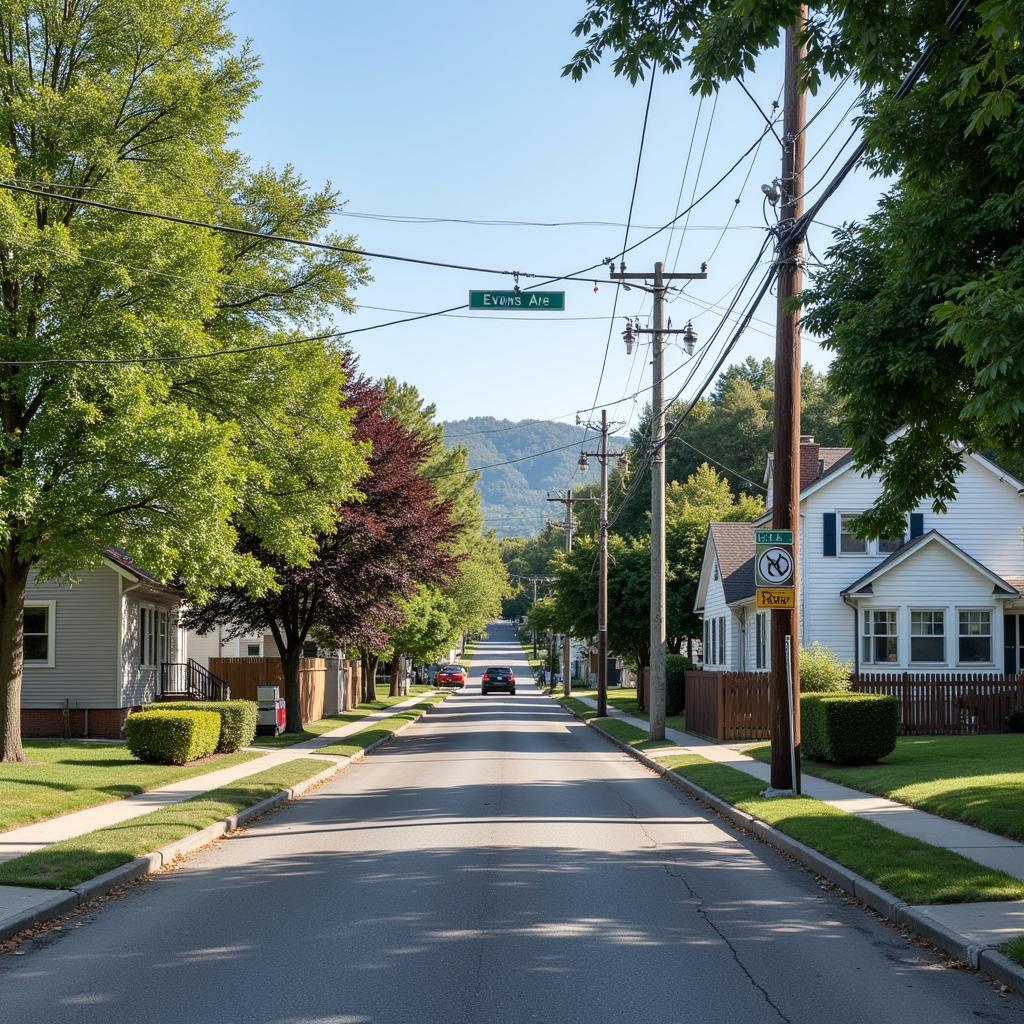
pixel 530 301
pixel 776 597
pixel 774 568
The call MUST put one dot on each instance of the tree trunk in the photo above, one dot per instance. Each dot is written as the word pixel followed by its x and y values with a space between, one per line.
pixel 13 578
pixel 689 647
pixel 370 662
pixel 640 666
pixel 396 663
pixel 291 659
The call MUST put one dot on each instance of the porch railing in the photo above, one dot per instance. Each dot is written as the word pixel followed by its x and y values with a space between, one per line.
pixel 191 681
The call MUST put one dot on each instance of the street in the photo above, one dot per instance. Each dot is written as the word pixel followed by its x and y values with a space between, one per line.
pixel 499 862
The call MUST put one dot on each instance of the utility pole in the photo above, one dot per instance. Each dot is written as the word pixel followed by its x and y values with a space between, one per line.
pixel 535 631
pixel 785 774
pixel 602 587
pixel 568 501
pixel 656 710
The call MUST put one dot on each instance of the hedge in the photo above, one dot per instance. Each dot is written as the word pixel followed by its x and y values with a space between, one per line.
pixel 237 719
pixel 172 737
pixel 676 666
pixel 848 728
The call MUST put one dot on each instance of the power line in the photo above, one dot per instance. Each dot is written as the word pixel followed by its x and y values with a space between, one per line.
pixel 721 465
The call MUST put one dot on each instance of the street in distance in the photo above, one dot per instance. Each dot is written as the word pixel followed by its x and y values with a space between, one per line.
pixel 517 300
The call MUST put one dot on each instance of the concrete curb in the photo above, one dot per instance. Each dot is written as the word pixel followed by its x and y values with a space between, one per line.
pixel 65 900
pixel 917 920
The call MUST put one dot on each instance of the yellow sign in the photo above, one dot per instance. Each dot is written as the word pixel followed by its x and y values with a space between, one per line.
pixel 776 597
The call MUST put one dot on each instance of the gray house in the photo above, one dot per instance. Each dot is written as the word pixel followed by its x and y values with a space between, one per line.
pixel 93 648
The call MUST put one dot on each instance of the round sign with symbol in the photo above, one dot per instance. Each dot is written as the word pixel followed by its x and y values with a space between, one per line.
pixel 775 566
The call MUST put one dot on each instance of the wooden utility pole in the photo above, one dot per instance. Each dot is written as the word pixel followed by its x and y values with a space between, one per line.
pixel 785 774
pixel 568 501
pixel 656 710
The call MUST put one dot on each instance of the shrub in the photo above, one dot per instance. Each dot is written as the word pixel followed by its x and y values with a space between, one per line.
pixel 822 672
pixel 848 728
pixel 172 737
pixel 237 719
pixel 676 665
pixel 1015 723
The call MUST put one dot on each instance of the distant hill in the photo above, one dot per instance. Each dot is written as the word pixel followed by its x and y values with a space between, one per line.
pixel 514 495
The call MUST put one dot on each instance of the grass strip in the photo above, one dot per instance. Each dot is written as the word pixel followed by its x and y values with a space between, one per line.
pixel 319 727
pixel 60 776
pixel 380 730
pixel 623 698
pixel 1014 949
pixel 914 871
pixel 978 780
pixel 73 861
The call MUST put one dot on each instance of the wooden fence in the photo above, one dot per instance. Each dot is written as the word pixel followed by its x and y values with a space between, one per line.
pixel 733 706
pixel 243 675
pixel 949 703
pixel 728 706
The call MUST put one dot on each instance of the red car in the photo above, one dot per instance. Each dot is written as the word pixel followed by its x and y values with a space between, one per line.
pixel 451 675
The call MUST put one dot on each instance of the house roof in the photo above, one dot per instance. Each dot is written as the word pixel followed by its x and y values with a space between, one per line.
pixel 862 586
pixel 734 549
pixel 122 560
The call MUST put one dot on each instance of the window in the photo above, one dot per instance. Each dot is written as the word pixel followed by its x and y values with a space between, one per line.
pixel 714 569
pixel 886 545
pixel 879 643
pixel 152 636
pixel 927 636
pixel 761 640
pixel 848 542
pixel 37 632
pixel 975 637
pixel 720 659
pixel 706 647
pixel 252 651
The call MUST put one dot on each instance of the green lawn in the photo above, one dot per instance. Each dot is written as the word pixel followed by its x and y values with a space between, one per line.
pixel 624 699
pixel 68 775
pixel 1014 949
pixel 318 728
pixel 914 871
pixel 975 779
pixel 73 861
pixel 380 730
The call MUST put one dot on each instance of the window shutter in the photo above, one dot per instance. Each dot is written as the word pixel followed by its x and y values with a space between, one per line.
pixel 829 527
pixel 916 524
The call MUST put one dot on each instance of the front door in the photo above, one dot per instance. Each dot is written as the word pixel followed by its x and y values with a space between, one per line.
pixel 1013 642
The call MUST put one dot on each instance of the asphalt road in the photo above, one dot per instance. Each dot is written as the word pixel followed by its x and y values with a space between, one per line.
pixel 499 862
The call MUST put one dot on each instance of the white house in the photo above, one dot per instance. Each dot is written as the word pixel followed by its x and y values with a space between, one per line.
pixel 943 597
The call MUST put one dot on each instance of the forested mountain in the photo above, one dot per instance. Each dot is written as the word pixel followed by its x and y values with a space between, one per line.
pixel 514 494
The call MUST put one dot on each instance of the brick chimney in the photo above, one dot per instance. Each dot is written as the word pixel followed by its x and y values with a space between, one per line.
pixel 810 462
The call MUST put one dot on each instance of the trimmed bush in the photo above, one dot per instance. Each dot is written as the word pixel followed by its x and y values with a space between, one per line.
pixel 822 672
pixel 848 728
pixel 172 737
pixel 237 719
pixel 1015 722
pixel 676 665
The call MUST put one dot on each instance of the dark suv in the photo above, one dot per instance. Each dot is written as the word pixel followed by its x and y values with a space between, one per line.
pixel 498 679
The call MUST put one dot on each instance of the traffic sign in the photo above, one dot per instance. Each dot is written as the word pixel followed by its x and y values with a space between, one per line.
pixel 530 301
pixel 773 537
pixel 776 597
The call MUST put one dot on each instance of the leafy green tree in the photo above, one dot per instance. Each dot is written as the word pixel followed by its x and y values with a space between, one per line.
pixel 922 301
pixel 132 100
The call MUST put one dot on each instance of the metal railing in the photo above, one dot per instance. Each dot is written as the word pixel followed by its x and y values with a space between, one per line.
pixel 191 681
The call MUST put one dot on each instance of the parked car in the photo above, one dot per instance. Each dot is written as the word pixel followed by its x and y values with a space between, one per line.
pixel 498 679
pixel 451 675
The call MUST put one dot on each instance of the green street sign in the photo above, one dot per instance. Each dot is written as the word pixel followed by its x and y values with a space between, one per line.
pixel 773 536
pixel 531 301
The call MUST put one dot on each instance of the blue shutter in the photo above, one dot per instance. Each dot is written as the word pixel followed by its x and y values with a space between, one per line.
pixel 829 527
pixel 916 524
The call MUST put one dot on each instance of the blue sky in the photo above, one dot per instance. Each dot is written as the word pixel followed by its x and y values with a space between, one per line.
pixel 458 110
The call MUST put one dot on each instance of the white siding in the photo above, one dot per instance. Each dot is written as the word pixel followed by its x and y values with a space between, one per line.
pixel 935 578
pixel 85 636
pixel 140 683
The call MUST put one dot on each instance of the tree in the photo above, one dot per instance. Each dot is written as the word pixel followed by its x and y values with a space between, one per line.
pixel 174 459
pixel 921 302
pixel 386 541
pixel 690 508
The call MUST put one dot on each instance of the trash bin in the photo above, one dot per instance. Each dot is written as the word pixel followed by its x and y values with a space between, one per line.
pixel 272 714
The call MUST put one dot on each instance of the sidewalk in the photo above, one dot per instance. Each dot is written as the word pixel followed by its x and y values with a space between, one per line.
pixel 27 838
pixel 977 925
